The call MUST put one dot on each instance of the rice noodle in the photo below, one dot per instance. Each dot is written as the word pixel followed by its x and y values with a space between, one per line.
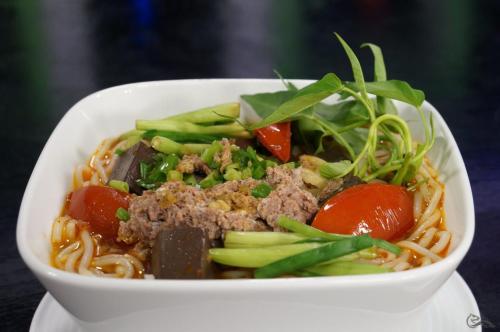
pixel 100 170
pixel 432 221
pixel 443 240
pixel 79 176
pixel 417 205
pixel 117 260
pixel 88 245
pixel 72 258
pixel 103 148
pixel 70 230
pixel 424 261
pixel 64 253
pixel 419 249
pixel 94 180
pixel 57 229
pixel 81 255
pixel 436 197
pixel 426 239
pixel 403 257
pixel 401 266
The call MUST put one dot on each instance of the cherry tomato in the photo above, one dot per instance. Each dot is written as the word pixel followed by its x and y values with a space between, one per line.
pixel 97 205
pixel 384 211
pixel 276 139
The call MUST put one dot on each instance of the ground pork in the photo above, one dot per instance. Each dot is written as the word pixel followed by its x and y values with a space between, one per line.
pixel 224 157
pixel 282 174
pixel 176 204
pixel 237 194
pixel 227 206
pixel 289 197
pixel 191 163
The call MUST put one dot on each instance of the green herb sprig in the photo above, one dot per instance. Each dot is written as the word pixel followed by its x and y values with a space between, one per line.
pixel 362 125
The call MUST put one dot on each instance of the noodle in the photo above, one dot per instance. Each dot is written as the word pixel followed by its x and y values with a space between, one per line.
pixel 442 243
pixel 88 245
pixel 426 239
pixel 62 255
pixel 57 229
pixel 117 261
pixel 436 197
pixel 83 253
pixel 72 258
pixel 417 205
pixel 75 249
pixel 419 249
pixel 432 221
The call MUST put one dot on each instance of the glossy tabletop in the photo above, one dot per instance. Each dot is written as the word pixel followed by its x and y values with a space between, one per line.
pixel 55 52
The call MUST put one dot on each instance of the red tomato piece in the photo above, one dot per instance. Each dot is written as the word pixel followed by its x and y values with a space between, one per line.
pixel 97 205
pixel 384 211
pixel 276 139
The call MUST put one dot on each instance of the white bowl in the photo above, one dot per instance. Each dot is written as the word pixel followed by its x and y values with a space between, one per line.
pixel 354 303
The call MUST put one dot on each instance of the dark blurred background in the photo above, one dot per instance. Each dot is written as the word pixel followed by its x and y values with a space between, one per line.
pixel 55 52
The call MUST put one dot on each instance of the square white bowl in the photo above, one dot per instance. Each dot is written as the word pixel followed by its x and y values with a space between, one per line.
pixel 353 303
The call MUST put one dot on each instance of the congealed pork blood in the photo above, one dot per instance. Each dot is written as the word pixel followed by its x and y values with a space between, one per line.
pixel 127 166
pixel 336 186
pixel 181 253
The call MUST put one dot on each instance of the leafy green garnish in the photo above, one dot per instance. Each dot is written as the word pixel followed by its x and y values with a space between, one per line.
pixel 356 68
pixel 122 214
pixel 155 173
pixel 360 125
pixel 393 89
pixel 262 190
pixel 303 99
pixel 266 103
pixel 211 180
pixel 380 73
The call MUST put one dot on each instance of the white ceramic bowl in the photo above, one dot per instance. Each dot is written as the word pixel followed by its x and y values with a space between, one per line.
pixel 350 303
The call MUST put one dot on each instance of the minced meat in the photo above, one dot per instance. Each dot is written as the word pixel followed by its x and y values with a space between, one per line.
pixel 227 206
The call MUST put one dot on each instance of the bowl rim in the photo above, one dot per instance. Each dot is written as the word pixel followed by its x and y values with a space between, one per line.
pixel 45 270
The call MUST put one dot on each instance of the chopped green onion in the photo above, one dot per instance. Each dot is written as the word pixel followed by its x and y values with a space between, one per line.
pixel 190 179
pixel 290 165
pixel 258 171
pixel 334 170
pixel 346 268
pixel 131 141
pixel 228 130
pixel 143 169
pixel 211 180
pixel 119 151
pixel 315 256
pixel 262 190
pixel 210 114
pixel 303 229
pixel 119 185
pixel 233 239
pixel 170 162
pixel 122 214
pixel 387 246
pixel 174 175
pixel 246 173
pixel 181 137
pixel 257 257
pixel 232 174
pixel 271 163
pixel 208 154
pixel 168 146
